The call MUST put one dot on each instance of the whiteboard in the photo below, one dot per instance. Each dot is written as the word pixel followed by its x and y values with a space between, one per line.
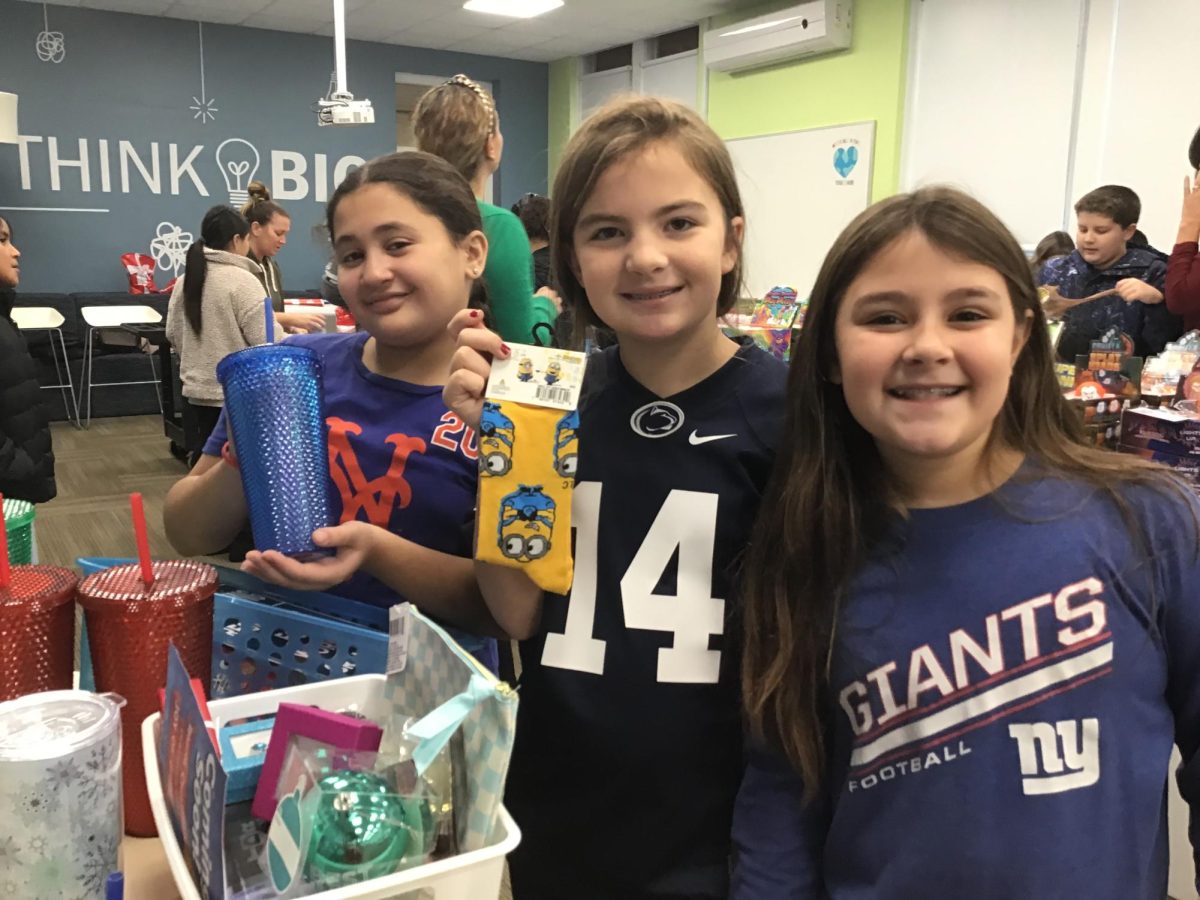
pixel 991 95
pixel 797 200
pixel 1137 131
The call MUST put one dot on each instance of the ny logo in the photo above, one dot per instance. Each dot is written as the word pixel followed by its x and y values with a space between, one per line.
pixel 1058 757
pixel 377 497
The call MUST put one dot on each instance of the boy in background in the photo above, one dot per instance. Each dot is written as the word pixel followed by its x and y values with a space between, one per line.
pixel 1105 260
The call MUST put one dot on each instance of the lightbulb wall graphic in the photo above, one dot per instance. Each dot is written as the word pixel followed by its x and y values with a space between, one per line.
pixel 238 161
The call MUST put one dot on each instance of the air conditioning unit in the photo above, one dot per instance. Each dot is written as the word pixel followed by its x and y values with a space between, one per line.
pixel 808 29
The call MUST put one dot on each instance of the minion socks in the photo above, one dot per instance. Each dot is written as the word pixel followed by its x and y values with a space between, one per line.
pixel 527 460
pixel 528 449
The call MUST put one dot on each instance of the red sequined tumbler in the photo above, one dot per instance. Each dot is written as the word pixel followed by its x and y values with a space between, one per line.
pixel 37 631
pixel 130 625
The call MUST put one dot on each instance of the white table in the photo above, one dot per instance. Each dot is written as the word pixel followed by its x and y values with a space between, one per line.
pixel 328 310
pixel 115 317
pixel 46 318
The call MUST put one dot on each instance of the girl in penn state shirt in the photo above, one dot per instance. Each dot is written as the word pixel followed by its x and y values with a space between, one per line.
pixel 409 249
pixel 970 641
pixel 629 741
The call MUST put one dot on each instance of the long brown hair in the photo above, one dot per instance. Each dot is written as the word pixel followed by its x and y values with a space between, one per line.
pixel 454 121
pixel 828 502
pixel 623 126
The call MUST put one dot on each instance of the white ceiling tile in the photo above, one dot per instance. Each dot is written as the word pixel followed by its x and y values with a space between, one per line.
pixel 140 7
pixel 205 14
pixel 315 9
pixel 580 26
pixel 435 31
pixel 282 21
pixel 389 14
pixel 402 39
pixel 491 43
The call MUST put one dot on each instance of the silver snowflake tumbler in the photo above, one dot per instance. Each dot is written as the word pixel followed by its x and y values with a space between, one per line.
pixel 60 794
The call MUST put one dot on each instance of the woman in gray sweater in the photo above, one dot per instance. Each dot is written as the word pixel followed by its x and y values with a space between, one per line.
pixel 216 308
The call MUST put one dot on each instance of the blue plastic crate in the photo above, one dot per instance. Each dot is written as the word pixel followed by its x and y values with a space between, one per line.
pixel 266 636
pixel 260 643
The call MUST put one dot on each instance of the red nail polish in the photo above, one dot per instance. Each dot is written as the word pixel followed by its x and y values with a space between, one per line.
pixel 474 314
pixel 505 350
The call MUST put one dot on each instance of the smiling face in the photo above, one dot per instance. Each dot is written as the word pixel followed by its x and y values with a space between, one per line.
pixel 926 342
pixel 400 271
pixel 1100 240
pixel 267 240
pixel 651 245
pixel 10 267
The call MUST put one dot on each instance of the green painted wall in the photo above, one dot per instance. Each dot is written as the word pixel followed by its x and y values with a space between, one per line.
pixel 563 98
pixel 865 82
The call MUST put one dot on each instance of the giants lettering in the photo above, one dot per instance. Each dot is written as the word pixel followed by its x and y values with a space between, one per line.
pixel 377 497
pixel 1078 608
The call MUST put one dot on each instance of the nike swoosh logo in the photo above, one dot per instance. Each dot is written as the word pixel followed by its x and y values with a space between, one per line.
pixel 695 440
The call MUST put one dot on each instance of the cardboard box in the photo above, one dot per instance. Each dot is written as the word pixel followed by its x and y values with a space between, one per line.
pixel 1161 430
pixel 1099 410
pixel 1188 467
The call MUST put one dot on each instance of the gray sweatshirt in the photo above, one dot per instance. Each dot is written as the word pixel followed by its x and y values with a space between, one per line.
pixel 231 319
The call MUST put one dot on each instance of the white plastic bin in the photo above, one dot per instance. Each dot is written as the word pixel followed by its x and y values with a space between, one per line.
pixel 468 876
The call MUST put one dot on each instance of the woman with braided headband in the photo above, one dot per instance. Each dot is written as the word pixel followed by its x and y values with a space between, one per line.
pixel 458 121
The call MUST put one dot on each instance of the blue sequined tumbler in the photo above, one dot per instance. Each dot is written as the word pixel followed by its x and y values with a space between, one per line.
pixel 275 405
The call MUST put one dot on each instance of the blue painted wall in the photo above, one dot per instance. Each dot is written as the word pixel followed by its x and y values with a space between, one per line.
pixel 134 79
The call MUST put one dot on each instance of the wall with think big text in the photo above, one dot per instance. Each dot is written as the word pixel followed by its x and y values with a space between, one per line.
pixel 124 127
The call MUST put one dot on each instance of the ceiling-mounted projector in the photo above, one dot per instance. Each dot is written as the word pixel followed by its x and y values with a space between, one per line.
pixel 345 110
pixel 338 106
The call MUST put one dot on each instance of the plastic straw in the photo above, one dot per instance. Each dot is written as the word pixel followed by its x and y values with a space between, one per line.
pixel 5 571
pixel 270 314
pixel 143 539
pixel 114 887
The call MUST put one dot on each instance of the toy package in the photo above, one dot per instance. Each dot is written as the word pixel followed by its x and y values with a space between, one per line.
pixel 1106 383
pixel 774 320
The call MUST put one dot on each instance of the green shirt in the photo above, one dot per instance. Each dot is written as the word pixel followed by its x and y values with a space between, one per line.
pixel 509 275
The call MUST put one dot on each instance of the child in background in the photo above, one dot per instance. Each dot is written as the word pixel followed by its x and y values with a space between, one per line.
pixel 1052 246
pixel 1183 268
pixel 409 250
pixel 458 121
pixel 534 212
pixel 215 309
pixel 1107 219
pixel 971 642
pixel 629 739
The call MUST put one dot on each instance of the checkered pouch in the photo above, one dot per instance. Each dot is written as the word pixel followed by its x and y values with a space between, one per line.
pixel 453 691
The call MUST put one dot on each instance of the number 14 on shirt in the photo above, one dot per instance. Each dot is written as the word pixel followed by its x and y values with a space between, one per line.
pixel 687 521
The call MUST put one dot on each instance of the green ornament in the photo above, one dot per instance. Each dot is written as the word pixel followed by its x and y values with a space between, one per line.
pixel 360 827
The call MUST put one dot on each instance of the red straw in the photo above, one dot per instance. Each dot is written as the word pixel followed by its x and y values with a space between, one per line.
pixel 5 571
pixel 143 539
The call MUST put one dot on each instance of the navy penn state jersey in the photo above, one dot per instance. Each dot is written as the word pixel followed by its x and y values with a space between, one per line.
pixel 629 739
